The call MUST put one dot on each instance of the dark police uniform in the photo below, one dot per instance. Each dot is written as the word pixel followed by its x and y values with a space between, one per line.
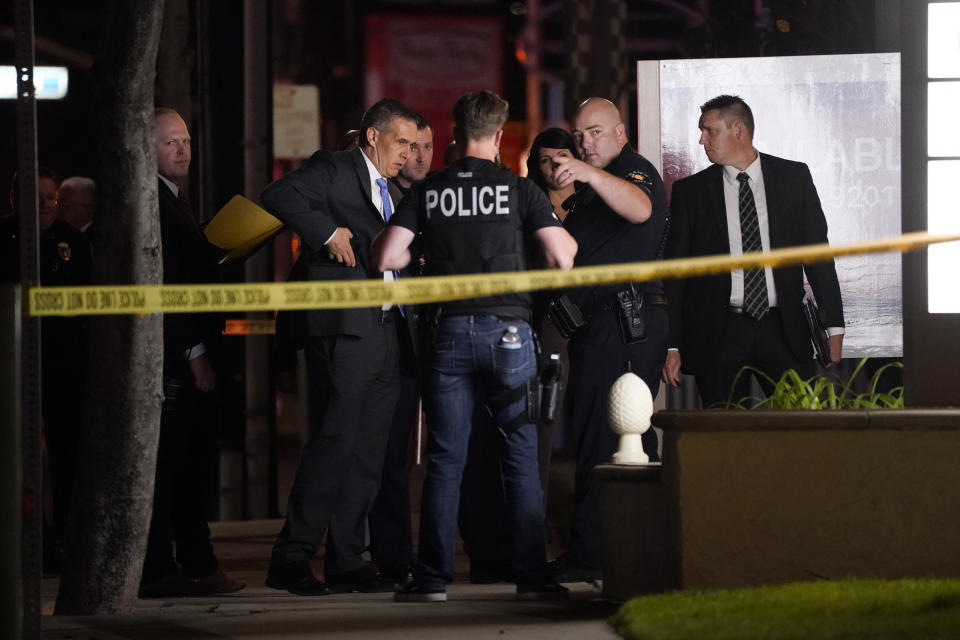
pixel 65 260
pixel 598 353
pixel 475 218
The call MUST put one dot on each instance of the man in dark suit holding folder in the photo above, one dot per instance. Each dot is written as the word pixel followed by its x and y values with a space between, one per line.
pixel 745 201
pixel 189 382
pixel 337 203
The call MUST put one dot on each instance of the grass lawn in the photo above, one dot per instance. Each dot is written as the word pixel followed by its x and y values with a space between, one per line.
pixel 925 609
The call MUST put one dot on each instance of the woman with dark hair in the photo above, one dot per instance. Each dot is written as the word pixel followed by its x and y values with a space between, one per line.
pixel 549 144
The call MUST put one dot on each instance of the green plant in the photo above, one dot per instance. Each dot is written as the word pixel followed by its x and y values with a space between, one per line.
pixel 819 392
pixel 855 609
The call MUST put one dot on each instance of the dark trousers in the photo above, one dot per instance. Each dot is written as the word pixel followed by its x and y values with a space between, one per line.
pixel 598 357
pixel 63 369
pixel 185 452
pixel 354 384
pixel 483 519
pixel 467 350
pixel 62 426
pixel 391 538
pixel 760 344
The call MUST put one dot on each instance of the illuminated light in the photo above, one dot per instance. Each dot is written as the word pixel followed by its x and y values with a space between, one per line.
pixel 49 83
pixel 943 261
pixel 943 40
pixel 518 9
pixel 943 141
pixel 943 135
pixel 521 54
pixel 783 25
pixel 248 327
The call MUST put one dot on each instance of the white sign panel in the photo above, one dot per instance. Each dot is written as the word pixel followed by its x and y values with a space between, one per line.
pixel 296 120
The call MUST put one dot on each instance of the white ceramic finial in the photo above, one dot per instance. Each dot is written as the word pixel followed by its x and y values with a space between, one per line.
pixel 629 408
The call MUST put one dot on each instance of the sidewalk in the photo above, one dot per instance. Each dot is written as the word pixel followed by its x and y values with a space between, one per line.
pixel 472 611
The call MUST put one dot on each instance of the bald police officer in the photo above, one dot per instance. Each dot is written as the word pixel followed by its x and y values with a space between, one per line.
pixel 476 218
pixel 620 216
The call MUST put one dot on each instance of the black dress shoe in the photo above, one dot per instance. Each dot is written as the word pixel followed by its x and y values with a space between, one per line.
pixel 362 580
pixel 542 590
pixel 482 575
pixel 296 578
pixel 398 577
pixel 174 584
pixel 563 569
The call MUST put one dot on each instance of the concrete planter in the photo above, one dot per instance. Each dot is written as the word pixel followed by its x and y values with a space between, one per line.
pixel 747 498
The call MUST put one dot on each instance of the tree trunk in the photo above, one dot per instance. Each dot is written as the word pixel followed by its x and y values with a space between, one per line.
pixel 106 537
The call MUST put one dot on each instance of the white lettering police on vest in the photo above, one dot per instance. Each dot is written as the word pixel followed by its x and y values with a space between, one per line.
pixel 476 200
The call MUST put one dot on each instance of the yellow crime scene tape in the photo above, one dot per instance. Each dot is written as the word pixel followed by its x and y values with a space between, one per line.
pixel 143 299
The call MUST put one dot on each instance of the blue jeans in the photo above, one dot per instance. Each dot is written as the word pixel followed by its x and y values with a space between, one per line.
pixel 467 357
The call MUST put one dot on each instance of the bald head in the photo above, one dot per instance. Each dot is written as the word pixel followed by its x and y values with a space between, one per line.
pixel 599 109
pixel 77 198
pixel 599 131
pixel 173 144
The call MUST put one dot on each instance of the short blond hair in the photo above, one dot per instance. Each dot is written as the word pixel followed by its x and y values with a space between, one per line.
pixel 480 114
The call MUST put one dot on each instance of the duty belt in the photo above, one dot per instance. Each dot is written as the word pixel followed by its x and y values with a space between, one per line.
pixel 650 299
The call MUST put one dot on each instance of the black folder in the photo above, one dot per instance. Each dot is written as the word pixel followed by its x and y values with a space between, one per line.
pixel 818 333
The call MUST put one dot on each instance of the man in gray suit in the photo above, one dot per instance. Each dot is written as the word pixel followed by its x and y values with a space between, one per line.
pixel 337 203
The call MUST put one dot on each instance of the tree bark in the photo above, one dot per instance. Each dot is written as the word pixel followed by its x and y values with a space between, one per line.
pixel 110 518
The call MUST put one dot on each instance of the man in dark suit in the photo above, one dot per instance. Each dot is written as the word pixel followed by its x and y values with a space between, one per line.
pixel 746 201
pixel 188 376
pixel 337 203
pixel 391 536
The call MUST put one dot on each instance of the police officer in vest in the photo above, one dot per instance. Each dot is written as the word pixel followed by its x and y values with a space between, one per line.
pixel 477 218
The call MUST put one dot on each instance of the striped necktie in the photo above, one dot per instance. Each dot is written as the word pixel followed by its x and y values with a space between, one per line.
pixel 755 301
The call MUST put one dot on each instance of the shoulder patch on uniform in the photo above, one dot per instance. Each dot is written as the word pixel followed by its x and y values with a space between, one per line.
pixel 637 176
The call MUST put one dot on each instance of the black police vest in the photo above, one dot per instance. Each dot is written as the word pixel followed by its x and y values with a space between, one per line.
pixel 473 225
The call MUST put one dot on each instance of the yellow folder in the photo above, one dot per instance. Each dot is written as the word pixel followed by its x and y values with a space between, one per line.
pixel 239 228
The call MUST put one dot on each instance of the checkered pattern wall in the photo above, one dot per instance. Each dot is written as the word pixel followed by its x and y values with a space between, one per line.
pixel 598 53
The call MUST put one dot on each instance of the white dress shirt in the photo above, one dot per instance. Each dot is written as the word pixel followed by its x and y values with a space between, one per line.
pixel 378 203
pixel 170 183
pixel 731 198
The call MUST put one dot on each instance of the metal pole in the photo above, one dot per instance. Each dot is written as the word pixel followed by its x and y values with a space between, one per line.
pixel 532 42
pixel 32 514
pixel 11 482
pixel 257 156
